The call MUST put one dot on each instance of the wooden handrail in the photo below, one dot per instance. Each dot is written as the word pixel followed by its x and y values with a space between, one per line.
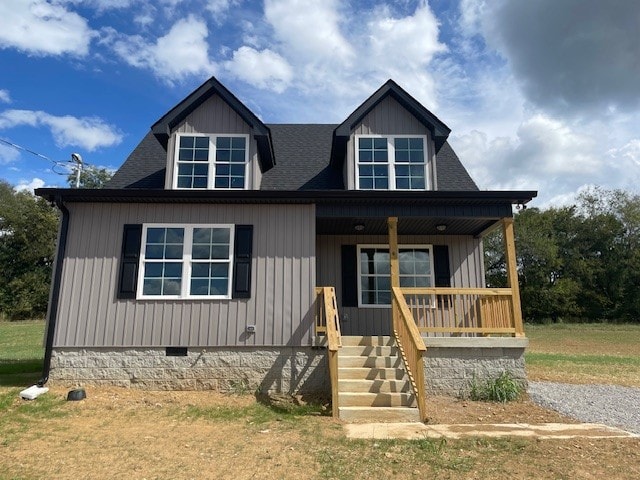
pixel 328 322
pixel 457 291
pixel 442 310
pixel 411 347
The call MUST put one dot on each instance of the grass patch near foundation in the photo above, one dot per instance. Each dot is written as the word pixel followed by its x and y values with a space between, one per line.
pixel 18 416
pixel 502 389
pixel 584 353
pixel 253 414
pixel 21 352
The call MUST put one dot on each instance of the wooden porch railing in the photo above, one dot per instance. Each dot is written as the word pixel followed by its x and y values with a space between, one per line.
pixel 458 311
pixel 328 323
pixel 411 347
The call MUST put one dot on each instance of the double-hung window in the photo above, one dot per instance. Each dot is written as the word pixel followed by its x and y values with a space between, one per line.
pixel 391 163
pixel 211 161
pixel 186 261
pixel 374 286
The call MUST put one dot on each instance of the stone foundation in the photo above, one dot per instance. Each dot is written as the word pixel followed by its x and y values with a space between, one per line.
pixel 300 370
pixel 451 364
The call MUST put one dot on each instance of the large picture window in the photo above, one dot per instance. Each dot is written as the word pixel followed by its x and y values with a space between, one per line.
pixel 374 286
pixel 391 163
pixel 211 162
pixel 186 261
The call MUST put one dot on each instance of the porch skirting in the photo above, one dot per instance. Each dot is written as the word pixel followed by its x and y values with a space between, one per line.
pixel 295 370
pixel 451 364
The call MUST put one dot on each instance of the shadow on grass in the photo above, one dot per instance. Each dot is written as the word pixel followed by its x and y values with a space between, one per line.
pixel 20 373
pixel 292 405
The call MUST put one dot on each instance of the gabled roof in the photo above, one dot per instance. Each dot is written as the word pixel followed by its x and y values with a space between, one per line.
pixel 162 128
pixel 439 131
pixel 309 156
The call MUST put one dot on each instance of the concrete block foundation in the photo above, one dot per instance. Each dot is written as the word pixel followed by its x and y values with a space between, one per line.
pixel 450 365
pixel 299 370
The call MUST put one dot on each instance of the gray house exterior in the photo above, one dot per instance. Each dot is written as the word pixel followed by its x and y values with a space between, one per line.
pixel 197 266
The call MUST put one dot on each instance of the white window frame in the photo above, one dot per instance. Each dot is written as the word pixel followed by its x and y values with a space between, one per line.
pixel 211 162
pixel 386 247
pixel 186 261
pixel 391 161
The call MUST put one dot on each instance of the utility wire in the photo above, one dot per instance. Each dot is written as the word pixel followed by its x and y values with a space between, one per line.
pixel 67 164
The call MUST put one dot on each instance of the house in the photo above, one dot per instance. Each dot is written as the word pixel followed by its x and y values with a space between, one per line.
pixel 203 264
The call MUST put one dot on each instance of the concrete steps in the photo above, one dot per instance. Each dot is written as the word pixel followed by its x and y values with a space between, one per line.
pixel 372 383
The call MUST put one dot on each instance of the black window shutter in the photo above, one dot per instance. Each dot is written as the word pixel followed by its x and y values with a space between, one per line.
pixel 441 268
pixel 349 276
pixel 243 248
pixel 131 240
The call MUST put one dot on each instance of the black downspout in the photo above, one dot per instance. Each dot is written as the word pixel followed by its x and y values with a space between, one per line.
pixel 55 290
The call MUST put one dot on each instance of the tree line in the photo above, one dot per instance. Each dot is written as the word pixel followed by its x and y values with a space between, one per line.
pixel 28 232
pixel 576 263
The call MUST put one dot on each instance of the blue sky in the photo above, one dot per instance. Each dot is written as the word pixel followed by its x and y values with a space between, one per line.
pixel 539 95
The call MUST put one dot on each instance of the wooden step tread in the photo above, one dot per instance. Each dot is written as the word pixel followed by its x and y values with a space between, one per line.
pixel 367 399
pixel 374 385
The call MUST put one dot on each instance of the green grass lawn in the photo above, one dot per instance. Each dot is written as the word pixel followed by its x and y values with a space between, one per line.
pixel 21 352
pixel 584 353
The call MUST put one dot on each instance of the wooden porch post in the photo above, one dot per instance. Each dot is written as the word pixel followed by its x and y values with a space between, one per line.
pixel 392 223
pixel 512 274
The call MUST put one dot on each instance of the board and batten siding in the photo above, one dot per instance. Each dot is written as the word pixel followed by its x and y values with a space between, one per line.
pixel 388 118
pixel 215 116
pixel 282 286
pixel 465 261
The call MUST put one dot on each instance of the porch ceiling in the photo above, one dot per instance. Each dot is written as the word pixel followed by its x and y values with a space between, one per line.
pixel 406 225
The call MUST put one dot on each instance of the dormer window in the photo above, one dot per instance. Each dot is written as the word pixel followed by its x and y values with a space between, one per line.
pixel 391 162
pixel 211 162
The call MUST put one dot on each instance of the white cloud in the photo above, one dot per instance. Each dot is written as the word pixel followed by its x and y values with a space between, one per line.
pixel 90 133
pixel 402 48
pixel 554 157
pixel 219 7
pixel 181 53
pixel 8 154
pixel 338 53
pixel 263 69
pixel 102 5
pixel 4 96
pixel 309 31
pixel 41 28
pixel 29 185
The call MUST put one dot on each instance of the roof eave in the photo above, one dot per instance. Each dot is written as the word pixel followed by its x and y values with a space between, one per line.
pixel 275 196
pixel 439 130
pixel 163 127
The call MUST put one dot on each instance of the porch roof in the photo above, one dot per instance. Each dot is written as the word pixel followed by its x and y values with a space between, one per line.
pixel 338 211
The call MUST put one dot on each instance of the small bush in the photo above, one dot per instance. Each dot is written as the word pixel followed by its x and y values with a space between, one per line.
pixel 502 389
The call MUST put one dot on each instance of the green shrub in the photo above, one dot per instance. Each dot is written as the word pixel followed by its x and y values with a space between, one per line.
pixel 503 389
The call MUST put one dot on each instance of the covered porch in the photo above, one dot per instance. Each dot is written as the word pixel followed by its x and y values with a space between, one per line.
pixel 455 322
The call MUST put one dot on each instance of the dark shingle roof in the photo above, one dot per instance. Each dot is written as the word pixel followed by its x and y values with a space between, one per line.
pixel 452 176
pixel 302 153
pixel 302 158
pixel 144 168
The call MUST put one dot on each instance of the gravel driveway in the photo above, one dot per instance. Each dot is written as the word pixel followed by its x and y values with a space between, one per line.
pixel 608 404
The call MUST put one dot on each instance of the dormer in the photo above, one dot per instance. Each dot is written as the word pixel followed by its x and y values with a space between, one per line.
pixel 389 142
pixel 213 142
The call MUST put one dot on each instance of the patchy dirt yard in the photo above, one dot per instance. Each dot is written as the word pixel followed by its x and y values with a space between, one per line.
pixel 121 433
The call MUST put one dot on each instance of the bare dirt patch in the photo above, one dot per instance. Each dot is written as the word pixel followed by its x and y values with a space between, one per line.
pixel 121 433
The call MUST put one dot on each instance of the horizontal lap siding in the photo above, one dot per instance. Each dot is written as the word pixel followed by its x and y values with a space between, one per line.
pixel 465 260
pixel 283 281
